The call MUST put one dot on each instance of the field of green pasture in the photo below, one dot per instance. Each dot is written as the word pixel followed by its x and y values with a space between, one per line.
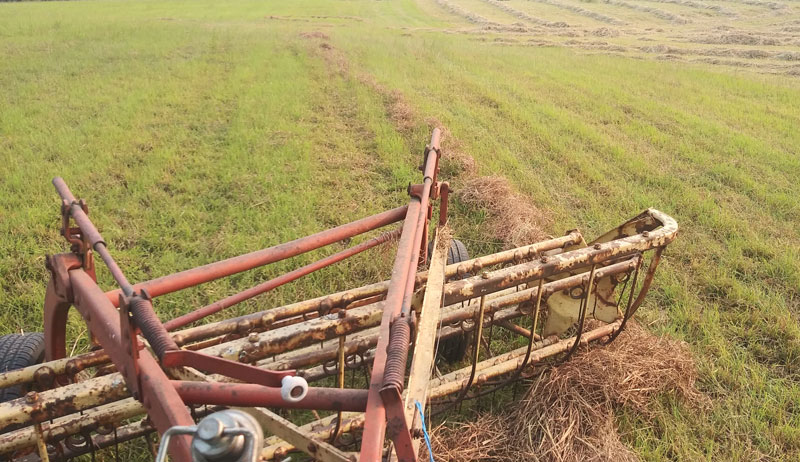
pixel 200 130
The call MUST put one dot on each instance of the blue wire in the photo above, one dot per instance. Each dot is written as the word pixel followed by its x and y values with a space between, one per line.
pixel 425 430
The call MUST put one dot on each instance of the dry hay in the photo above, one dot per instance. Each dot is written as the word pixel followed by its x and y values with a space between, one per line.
pixel 398 110
pixel 521 15
pixel 466 14
pixel 334 59
pixel 737 39
pixel 512 217
pixel 315 35
pixel 568 413
pixel 583 12
pixel 661 14
pixel 481 439
pixel 454 161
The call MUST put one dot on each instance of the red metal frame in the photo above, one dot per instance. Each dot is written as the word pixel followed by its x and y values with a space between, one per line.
pixel 73 283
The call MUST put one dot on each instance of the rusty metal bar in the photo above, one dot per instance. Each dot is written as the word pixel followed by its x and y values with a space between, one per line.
pixel 549 265
pixel 47 372
pixel 88 420
pixel 426 338
pixel 232 369
pixel 372 442
pixel 519 330
pixel 386 371
pixel 278 281
pixel 246 323
pixel 290 337
pixel 212 271
pixel 509 362
pixel 294 435
pixel 90 233
pixel 342 299
pixel 162 403
pixel 249 395
pixel 275 449
pixel 47 405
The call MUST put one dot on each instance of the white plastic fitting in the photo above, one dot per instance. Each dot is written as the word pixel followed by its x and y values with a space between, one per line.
pixel 293 388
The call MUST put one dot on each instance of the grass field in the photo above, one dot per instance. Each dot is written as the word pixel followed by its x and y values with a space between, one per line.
pixel 199 130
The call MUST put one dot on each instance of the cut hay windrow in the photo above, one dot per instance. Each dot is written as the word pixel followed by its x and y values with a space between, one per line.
pixel 513 219
pixel 568 413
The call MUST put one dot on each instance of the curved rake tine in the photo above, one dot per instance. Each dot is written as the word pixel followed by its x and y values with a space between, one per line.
pixel 476 351
pixel 340 375
pixel 581 316
pixel 630 310
pixel 534 321
pixel 627 313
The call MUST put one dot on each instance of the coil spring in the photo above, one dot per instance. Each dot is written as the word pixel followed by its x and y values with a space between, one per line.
pixel 399 336
pixel 151 327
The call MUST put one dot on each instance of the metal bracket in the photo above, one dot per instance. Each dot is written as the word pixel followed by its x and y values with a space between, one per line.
pixel 131 344
pixel 297 437
pixel 428 149
pixel 73 235
pixel 233 369
pixel 415 190
pixel 59 266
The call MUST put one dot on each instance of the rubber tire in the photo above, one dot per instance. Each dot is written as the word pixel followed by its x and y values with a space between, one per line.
pixel 18 351
pixel 454 349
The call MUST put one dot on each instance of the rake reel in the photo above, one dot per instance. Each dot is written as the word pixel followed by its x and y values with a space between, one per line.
pixel 214 390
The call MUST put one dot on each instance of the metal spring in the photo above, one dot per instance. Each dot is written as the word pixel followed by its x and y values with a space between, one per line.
pixel 152 328
pixel 399 336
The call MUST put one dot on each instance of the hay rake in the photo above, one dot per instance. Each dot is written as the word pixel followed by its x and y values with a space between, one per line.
pixel 212 390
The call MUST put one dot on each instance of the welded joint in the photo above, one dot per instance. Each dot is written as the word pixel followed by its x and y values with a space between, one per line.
pixel 59 266
pixel 397 428
pixel 80 243
pixel 428 150
pixel 130 343
pixel 415 190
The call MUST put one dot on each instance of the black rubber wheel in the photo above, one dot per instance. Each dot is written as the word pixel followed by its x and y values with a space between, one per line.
pixel 453 349
pixel 18 351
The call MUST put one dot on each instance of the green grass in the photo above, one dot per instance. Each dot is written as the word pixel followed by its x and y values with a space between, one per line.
pixel 201 130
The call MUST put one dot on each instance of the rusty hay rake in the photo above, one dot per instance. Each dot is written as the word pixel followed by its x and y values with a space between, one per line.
pixel 212 391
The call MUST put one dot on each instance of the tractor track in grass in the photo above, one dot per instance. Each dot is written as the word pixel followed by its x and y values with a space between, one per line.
pixel 511 216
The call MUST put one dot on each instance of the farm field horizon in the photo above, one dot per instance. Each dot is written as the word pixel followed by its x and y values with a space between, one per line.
pixel 201 130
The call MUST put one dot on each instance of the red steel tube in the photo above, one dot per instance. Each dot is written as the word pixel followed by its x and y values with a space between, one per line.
pixel 404 267
pixel 201 274
pixel 375 423
pixel 92 235
pixel 249 395
pixel 163 405
pixel 276 282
